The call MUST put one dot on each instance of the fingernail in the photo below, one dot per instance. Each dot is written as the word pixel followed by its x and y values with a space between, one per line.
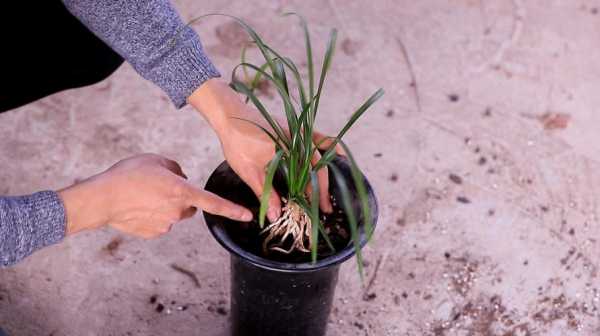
pixel 246 216
pixel 272 215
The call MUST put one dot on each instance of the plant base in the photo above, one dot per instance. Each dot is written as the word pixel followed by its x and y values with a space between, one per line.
pixel 293 223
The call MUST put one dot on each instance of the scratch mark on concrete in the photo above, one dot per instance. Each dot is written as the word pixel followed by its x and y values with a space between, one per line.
pixel 411 71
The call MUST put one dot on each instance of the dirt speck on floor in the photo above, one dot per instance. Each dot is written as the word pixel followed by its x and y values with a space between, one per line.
pixel 553 121
pixel 455 178
pixel 453 97
pixel 113 246
pixel 350 47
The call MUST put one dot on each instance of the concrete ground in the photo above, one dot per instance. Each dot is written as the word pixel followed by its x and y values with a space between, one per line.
pixel 484 154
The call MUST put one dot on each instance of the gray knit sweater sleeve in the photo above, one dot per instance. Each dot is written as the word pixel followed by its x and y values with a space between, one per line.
pixel 142 32
pixel 150 35
pixel 28 223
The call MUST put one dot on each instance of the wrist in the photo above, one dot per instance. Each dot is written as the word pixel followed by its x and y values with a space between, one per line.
pixel 83 206
pixel 217 102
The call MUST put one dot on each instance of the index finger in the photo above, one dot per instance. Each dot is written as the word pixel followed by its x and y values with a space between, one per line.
pixel 217 205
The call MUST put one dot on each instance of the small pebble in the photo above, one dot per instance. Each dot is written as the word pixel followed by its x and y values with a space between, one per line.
pixel 455 178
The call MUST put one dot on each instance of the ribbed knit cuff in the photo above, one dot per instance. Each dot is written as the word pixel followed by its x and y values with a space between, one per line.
pixel 29 223
pixel 184 68
pixel 48 212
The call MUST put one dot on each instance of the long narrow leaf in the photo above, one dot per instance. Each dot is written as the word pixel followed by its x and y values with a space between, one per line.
pixel 359 112
pixel 326 238
pixel 242 88
pixel 277 143
pixel 322 232
pixel 314 215
pixel 243 60
pixel 255 37
pixel 290 114
pixel 361 190
pixel 324 69
pixel 347 205
pixel 309 56
pixel 294 69
pixel 267 188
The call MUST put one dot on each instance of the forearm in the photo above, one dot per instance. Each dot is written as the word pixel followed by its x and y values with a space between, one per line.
pixel 29 223
pixel 150 35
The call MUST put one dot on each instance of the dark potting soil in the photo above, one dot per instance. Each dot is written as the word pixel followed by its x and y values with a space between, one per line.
pixel 248 236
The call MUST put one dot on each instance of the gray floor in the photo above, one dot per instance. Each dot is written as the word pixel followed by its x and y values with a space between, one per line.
pixel 486 171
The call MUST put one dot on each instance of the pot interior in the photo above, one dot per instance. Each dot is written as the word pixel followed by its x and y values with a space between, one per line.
pixel 244 239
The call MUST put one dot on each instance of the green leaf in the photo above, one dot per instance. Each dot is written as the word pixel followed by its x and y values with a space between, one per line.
pixel 352 221
pixel 243 89
pixel 359 112
pixel 275 141
pixel 361 190
pixel 309 56
pixel 255 37
pixel 326 237
pixel 243 60
pixel 314 215
pixel 325 68
pixel 290 113
pixel 267 187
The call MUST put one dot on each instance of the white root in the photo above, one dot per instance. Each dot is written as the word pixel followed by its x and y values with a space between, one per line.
pixel 293 222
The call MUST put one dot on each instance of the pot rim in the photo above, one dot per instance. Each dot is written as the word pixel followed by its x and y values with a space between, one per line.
pixel 217 228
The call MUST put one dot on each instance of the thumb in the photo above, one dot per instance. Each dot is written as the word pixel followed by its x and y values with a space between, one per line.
pixel 323 180
pixel 216 205
pixel 256 183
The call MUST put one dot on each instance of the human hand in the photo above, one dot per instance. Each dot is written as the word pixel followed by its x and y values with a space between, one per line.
pixel 247 148
pixel 144 196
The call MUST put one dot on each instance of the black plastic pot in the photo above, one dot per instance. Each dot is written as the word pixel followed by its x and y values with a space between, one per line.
pixel 277 298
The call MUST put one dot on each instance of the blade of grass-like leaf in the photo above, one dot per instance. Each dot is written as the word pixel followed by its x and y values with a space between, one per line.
pixel 259 43
pixel 309 56
pixel 242 88
pixel 256 80
pixel 359 112
pixel 314 215
pixel 326 158
pixel 277 143
pixel 290 114
pixel 267 187
pixel 361 190
pixel 301 93
pixel 243 60
pixel 292 67
pixel 326 238
pixel 324 69
pixel 280 74
pixel 347 205
pixel 306 208
pixel 305 154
